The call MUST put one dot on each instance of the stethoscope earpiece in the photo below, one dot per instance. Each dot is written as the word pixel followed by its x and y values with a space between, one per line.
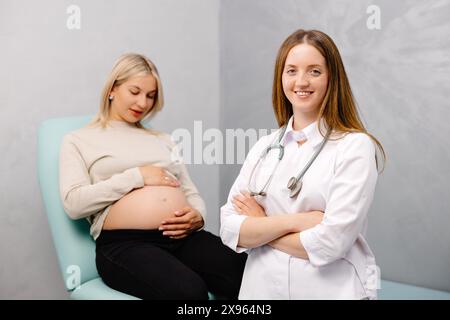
pixel 254 194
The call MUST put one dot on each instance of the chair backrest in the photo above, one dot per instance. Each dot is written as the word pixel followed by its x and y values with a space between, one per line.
pixel 75 247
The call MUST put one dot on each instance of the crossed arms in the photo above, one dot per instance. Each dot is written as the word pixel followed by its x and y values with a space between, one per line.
pixel 281 232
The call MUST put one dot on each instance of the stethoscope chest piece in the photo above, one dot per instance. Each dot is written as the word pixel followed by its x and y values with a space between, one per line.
pixel 295 185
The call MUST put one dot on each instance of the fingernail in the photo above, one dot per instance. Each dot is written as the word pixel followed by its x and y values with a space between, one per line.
pixel 164 233
pixel 160 228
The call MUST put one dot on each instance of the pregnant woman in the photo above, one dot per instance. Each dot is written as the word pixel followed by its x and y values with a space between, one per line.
pixel 146 214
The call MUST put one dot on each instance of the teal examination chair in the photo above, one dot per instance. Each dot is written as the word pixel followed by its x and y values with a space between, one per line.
pixel 75 247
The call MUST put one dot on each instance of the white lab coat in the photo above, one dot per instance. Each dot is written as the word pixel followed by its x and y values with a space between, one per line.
pixel 341 183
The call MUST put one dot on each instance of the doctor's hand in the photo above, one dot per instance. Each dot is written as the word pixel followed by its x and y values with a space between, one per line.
pixel 186 221
pixel 156 176
pixel 247 205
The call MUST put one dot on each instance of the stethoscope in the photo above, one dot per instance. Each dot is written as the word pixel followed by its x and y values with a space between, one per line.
pixel 295 183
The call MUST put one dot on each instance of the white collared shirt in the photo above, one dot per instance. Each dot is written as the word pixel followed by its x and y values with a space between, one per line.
pixel 341 183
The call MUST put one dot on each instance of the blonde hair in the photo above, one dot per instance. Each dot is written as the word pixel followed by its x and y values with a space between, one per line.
pixel 127 66
pixel 338 108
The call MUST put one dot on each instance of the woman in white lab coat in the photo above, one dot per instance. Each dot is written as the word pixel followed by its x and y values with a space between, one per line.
pixel 306 240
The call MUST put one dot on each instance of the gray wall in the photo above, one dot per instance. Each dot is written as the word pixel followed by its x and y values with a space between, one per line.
pixel 399 75
pixel 216 60
pixel 49 71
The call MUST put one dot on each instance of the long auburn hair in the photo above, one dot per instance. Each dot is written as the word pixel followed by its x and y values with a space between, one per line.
pixel 338 108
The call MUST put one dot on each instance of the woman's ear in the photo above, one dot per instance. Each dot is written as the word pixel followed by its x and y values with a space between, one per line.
pixel 112 93
pixel 113 90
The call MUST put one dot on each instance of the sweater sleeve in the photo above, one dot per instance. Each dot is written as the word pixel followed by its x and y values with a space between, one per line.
pixel 79 196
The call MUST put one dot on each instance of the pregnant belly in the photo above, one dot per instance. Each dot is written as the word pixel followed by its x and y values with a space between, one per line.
pixel 145 208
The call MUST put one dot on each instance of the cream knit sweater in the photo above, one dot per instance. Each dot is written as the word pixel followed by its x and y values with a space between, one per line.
pixel 98 166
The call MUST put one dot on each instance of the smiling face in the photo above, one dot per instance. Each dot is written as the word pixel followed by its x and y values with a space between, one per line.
pixel 133 99
pixel 305 82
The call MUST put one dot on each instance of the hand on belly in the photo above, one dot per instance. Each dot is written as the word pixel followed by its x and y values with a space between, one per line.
pixel 145 208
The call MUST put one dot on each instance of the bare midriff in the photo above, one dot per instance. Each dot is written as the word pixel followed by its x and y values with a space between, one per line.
pixel 145 208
